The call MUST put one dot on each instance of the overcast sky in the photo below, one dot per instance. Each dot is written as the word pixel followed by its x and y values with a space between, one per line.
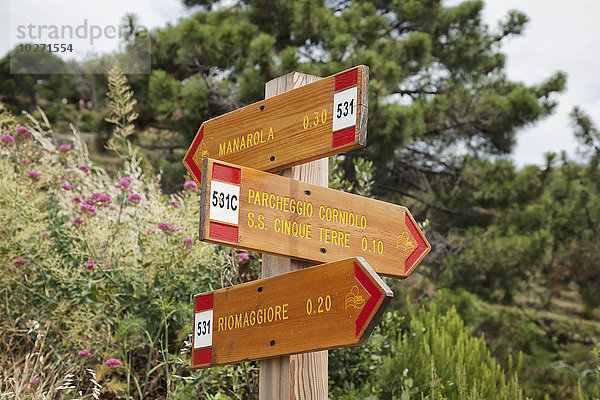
pixel 562 35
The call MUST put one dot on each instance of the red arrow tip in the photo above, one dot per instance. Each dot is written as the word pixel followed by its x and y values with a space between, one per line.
pixel 422 248
pixel 189 162
pixel 374 294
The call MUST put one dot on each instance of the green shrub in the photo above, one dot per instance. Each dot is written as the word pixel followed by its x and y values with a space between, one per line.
pixel 103 264
pixel 59 113
pixel 552 367
pixel 439 358
pixel 90 122
pixel 591 392
pixel 351 369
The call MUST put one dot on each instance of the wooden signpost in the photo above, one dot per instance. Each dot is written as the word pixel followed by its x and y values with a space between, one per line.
pixel 297 376
pixel 317 120
pixel 258 211
pixel 303 120
pixel 322 307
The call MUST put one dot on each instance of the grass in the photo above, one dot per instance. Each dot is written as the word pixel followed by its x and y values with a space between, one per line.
pixel 32 370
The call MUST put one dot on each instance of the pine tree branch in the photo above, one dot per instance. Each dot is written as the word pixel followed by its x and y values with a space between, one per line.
pixel 430 156
pixel 415 167
pixel 411 92
pixel 425 202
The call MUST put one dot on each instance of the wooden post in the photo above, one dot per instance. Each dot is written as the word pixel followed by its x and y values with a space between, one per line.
pixel 300 376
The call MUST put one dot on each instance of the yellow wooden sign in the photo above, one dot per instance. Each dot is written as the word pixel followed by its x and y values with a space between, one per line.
pixel 255 210
pixel 317 120
pixel 321 307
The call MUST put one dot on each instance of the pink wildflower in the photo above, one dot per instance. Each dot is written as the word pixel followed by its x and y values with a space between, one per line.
pixel 88 202
pixel 188 244
pixel 84 353
pixel 166 227
pixel 23 131
pixel 89 265
pixel 243 256
pixel 134 198
pixel 124 183
pixel 84 168
pixel 34 383
pixel 19 261
pixel 64 148
pixel 34 175
pixel 190 185
pixel 7 140
pixel 91 210
pixel 76 199
pixel 23 134
pixel 24 160
pixel 78 221
pixel 174 203
pixel 65 186
pixel 113 363
pixel 45 234
pixel 104 200
pixel 151 231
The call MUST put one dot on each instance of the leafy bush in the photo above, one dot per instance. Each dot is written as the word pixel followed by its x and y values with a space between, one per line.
pixel 90 122
pixel 101 269
pixel 428 353
pixel 351 369
pixel 439 358
pixel 593 392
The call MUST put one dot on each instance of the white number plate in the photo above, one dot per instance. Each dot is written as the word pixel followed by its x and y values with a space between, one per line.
pixel 224 202
pixel 203 327
pixel 344 108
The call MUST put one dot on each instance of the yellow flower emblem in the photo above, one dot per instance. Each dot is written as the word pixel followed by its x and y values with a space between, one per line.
pixel 201 153
pixel 403 242
pixel 354 299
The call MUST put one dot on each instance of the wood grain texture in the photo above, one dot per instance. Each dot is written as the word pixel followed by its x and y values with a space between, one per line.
pixel 321 307
pixel 306 371
pixel 287 128
pixel 274 378
pixel 299 373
